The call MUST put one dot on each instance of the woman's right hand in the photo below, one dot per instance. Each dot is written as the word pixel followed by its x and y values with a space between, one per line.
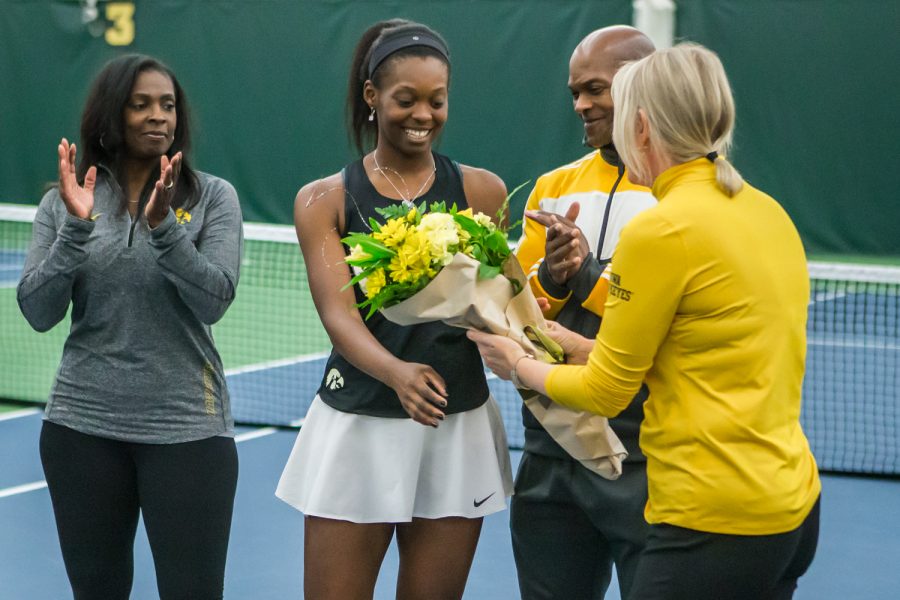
pixel 79 200
pixel 577 347
pixel 421 390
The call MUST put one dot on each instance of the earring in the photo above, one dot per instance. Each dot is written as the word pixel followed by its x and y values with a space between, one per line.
pixel 372 114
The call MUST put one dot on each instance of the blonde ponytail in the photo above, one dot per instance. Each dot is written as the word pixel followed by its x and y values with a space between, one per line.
pixel 728 178
pixel 687 100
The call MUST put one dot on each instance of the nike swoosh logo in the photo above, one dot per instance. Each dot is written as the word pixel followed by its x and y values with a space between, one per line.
pixel 478 503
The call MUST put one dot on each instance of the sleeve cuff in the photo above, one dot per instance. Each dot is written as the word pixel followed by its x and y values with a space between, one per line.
pixel 583 282
pixel 75 229
pixel 559 292
pixel 158 232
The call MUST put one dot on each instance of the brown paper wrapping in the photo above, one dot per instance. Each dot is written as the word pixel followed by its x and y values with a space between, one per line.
pixel 458 297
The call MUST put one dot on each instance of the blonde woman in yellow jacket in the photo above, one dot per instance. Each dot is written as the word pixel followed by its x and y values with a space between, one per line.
pixel 708 304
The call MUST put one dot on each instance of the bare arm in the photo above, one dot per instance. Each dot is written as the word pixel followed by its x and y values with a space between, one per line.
pixel 485 192
pixel 318 218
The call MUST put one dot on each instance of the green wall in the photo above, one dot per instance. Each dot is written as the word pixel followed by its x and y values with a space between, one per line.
pixel 817 88
pixel 816 83
pixel 267 81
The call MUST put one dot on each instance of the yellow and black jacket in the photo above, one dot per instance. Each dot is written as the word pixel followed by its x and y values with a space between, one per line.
pixel 608 201
pixel 714 322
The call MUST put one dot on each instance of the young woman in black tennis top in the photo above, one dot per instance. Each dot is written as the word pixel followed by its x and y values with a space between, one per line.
pixel 403 436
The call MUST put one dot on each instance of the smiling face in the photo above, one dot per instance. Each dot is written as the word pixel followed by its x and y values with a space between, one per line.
pixel 149 116
pixel 411 103
pixel 591 70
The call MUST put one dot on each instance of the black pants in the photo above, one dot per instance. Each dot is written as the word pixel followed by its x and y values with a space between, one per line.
pixel 98 488
pixel 684 564
pixel 569 526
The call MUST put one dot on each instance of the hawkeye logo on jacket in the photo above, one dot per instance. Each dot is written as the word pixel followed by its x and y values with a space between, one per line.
pixel 616 290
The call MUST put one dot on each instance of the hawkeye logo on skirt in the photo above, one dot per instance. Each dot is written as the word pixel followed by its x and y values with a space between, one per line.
pixel 334 380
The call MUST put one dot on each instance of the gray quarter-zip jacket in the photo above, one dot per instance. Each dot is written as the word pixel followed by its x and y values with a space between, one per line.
pixel 139 363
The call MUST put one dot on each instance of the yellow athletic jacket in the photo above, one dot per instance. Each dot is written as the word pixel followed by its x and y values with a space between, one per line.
pixel 589 182
pixel 708 304
pixel 579 303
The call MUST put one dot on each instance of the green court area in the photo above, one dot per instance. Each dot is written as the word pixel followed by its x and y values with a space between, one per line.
pixel 272 319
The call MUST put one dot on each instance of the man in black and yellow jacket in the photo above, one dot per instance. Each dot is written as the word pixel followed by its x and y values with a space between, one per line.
pixel 570 525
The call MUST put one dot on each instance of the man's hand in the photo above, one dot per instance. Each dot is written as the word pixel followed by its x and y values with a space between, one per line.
pixel 566 247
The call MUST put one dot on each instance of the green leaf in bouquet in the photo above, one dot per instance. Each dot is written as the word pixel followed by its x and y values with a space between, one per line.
pixel 497 242
pixel 468 224
pixel 374 225
pixel 504 208
pixel 554 351
pixel 487 271
pixel 477 253
pixel 516 285
pixel 370 246
pixel 393 211
pixel 357 278
pixel 439 207
pixel 393 294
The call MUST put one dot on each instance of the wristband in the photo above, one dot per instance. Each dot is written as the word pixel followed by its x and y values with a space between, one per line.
pixel 514 377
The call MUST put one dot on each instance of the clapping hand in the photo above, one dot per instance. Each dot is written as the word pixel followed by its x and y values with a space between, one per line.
pixel 79 200
pixel 164 190
pixel 566 246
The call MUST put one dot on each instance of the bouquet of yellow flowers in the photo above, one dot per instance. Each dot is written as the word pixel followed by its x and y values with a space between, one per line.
pixel 440 263
pixel 405 254
pixel 443 264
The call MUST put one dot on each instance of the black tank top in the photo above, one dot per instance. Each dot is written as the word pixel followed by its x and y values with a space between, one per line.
pixel 444 348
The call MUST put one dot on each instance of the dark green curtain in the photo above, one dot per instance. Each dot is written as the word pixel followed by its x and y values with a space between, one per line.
pixel 817 87
pixel 816 84
pixel 267 80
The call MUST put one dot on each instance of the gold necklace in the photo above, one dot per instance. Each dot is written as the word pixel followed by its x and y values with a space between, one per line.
pixel 406 199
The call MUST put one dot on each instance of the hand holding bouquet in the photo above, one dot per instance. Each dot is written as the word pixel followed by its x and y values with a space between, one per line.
pixel 456 266
pixel 450 265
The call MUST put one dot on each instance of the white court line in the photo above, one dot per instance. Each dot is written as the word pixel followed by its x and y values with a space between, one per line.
pixel 844 344
pixel 243 437
pixel 15 414
pixel 282 362
pixel 21 489
pixel 252 435
pixel 39 485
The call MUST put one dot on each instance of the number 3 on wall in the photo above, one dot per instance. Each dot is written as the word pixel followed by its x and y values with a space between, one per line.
pixel 121 32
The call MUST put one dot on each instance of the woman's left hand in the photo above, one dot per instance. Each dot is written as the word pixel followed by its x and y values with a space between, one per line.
pixel 164 190
pixel 499 353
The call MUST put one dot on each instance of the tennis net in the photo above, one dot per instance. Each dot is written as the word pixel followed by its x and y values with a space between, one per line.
pixel 273 347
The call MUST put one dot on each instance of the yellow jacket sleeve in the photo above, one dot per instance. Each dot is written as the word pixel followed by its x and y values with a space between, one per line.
pixel 530 254
pixel 646 282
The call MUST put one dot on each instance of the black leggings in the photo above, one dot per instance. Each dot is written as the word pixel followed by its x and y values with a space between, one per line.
pixel 684 564
pixel 98 488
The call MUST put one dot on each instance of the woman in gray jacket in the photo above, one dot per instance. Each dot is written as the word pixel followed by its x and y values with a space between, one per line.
pixel 146 251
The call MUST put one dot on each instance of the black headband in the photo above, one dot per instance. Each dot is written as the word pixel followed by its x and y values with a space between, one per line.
pixel 405 38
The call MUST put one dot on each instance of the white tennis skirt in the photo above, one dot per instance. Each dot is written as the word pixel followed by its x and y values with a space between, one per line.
pixel 378 470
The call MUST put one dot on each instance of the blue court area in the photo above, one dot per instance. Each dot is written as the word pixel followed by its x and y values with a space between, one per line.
pixel 11 262
pixel 851 412
pixel 857 556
